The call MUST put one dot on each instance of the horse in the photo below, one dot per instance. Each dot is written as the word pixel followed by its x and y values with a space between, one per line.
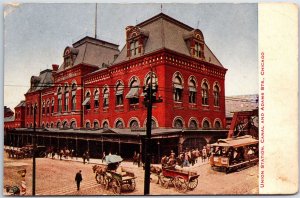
pixel 156 170
pixel 100 170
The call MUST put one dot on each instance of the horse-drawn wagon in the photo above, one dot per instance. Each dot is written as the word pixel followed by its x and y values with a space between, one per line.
pixel 113 176
pixel 183 180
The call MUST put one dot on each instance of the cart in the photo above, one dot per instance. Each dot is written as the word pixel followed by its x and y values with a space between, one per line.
pixel 110 178
pixel 183 180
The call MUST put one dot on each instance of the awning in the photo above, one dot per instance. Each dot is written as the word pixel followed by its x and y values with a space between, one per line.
pixel 119 92
pixel 178 86
pixel 192 89
pixel 96 97
pixel 133 93
pixel 59 96
pixel 86 101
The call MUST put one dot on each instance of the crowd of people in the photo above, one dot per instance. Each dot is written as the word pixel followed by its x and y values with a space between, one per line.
pixel 187 158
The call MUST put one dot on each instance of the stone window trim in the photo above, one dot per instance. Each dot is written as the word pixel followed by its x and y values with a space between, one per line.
pixel 175 121
pixel 133 119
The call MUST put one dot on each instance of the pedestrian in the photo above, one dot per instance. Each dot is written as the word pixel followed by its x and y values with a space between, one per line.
pixel 204 154
pixel 78 179
pixel 103 156
pixel 87 157
pixel 61 154
pixel 138 159
pixel 84 157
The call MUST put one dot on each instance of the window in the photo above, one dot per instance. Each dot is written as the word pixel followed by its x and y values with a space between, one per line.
pixel 178 89
pixel 68 61
pixel 105 97
pixel 52 107
pixel 96 99
pixel 58 125
pixel 178 124
pixel 105 125
pixel 216 95
pixel 206 124
pixel 43 108
pixel 96 125
pixel 134 48
pixel 86 102
pixel 31 111
pixel 48 107
pixel 133 94
pixel 59 100
pixel 65 125
pixel 197 49
pixel 88 125
pixel 66 98
pixel 52 125
pixel 28 110
pixel 73 125
pixel 193 125
pixel 134 124
pixel 217 124
pixel 47 125
pixel 192 91
pixel 119 93
pixel 204 93
pixel 119 124
pixel 73 102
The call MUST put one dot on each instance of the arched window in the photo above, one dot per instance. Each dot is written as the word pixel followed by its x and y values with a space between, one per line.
pixel 48 107
pixel 216 95
pixel 206 124
pixel 96 99
pixel 65 124
pixel 66 97
pixel 119 124
pixel 31 111
pixel 43 108
pixel 52 106
pixel 73 105
pixel 178 88
pixel 134 124
pixel 119 93
pixel 88 125
pixel 193 124
pixel 178 124
pixel 58 125
pixel 73 125
pixel 43 125
pixel 217 124
pixel 86 102
pixel 192 91
pixel 105 97
pixel 204 92
pixel 96 125
pixel 133 94
pixel 28 110
pixel 59 100
pixel 52 125
pixel 105 125
pixel 47 125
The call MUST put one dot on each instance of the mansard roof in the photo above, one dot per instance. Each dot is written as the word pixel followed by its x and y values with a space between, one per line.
pixel 91 51
pixel 21 104
pixel 44 80
pixel 166 32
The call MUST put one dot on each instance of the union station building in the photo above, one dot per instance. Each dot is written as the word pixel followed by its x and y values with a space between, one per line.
pixel 94 99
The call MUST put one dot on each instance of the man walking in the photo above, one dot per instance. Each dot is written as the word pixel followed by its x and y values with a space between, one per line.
pixel 78 179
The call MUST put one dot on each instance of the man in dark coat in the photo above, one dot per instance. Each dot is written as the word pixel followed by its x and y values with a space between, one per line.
pixel 78 179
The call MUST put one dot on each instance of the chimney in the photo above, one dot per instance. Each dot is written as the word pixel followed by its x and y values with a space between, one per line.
pixel 55 67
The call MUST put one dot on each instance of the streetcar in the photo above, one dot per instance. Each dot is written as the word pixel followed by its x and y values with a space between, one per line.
pixel 234 153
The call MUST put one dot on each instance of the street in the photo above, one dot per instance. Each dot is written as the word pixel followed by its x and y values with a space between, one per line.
pixel 57 177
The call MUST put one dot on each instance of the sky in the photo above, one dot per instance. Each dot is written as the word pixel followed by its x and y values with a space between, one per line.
pixel 35 36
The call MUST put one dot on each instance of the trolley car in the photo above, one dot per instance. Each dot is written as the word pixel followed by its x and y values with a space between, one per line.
pixel 234 153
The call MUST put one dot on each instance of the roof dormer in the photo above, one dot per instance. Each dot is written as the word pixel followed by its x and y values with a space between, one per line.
pixel 136 39
pixel 195 42
pixel 69 56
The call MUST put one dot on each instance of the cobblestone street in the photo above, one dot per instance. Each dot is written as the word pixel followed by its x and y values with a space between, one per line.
pixel 56 177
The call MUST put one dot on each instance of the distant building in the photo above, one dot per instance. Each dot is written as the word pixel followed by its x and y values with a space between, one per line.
pixel 239 103
pixel 94 99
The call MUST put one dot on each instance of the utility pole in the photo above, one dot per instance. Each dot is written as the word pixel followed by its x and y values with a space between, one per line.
pixel 34 151
pixel 149 99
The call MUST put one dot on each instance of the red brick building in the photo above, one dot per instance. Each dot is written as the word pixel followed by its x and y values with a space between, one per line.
pixel 96 94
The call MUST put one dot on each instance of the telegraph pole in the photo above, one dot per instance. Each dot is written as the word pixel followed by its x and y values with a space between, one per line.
pixel 34 151
pixel 148 139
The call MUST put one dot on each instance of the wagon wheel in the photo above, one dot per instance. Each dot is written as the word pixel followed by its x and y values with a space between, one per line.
pixel 131 184
pixel 164 181
pixel 180 184
pixel 116 186
pixel 193 183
